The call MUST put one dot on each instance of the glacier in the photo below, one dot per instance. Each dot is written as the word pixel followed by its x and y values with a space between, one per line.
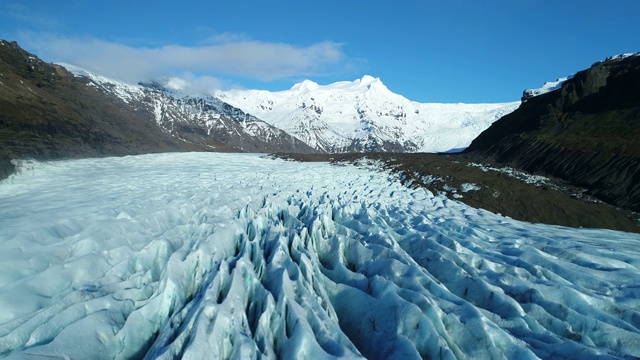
pixel 210 255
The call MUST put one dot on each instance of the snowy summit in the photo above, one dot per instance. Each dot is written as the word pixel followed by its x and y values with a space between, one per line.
pixel 364 115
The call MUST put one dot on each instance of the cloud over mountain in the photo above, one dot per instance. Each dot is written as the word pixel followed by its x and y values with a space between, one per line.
pixel 235 57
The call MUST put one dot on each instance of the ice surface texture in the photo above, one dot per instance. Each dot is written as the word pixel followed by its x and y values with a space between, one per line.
pixel 226 255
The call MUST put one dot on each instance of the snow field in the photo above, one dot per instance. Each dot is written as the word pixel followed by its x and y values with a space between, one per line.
pixel 238 256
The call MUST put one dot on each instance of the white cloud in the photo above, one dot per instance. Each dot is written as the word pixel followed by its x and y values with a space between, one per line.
pixel 230 56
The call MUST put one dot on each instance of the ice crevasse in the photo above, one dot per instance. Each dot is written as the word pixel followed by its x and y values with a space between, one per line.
pixel 241 256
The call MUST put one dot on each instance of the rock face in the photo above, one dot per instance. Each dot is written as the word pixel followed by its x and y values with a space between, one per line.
pixel 587 132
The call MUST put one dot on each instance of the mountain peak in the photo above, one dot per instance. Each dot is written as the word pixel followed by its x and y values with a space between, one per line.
pixel 363 115
pixel 305 85
pixel 368 80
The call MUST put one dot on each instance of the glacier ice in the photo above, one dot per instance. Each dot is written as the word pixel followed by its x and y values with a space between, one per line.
pixel 239 256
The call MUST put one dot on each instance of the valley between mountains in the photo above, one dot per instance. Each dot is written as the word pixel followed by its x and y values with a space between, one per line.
pixel 56 112
pixel 154 221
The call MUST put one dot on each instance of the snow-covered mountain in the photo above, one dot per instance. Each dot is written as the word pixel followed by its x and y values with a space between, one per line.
pixel 359 116
pixel 195 116
pixel 364 115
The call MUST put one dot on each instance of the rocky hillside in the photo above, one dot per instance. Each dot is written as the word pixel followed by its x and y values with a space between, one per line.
pixel 194 116
pixel 47 112
pixel 587 132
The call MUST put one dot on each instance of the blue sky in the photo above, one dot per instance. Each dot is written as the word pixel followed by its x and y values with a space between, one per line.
pixel 429 51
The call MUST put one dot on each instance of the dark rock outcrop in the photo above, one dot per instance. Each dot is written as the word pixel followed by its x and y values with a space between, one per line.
pixel 586 133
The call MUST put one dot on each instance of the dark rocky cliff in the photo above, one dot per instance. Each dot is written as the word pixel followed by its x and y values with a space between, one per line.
pixel 586 133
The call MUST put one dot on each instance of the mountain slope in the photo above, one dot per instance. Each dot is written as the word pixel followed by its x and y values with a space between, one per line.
pixel 586 132
pixel 46 113
pixel 365 116
pixel 194 116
